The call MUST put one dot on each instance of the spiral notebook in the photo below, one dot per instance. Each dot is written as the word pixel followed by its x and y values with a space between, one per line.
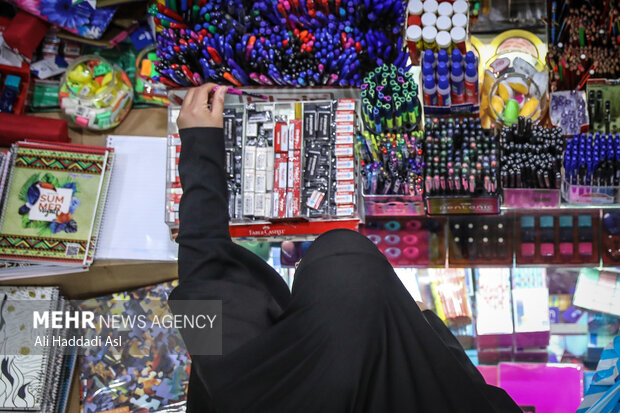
pixel 54 202
pixel 133 224
pixel 27 373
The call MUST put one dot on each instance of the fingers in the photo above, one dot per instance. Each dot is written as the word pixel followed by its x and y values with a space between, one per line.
pixel 188 100
pixel 217 105
pixel 202 94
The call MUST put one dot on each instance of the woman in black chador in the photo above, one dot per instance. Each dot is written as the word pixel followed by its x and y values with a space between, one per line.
pixel 348 339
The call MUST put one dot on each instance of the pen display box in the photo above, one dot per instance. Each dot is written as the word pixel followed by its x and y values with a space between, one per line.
pixel 461 167
pixel 569 238
pixel 590 195
pixel 289 161
pixel 530 198
pixel 393 205
pixel 407 242
pixel 480 240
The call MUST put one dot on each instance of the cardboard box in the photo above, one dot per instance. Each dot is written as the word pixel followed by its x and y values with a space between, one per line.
pixel 281 137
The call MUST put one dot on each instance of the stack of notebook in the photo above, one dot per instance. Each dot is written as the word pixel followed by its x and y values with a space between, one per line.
pixel 52 203
pixel 34 377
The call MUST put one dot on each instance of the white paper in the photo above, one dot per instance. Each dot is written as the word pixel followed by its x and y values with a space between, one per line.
pixel 133 223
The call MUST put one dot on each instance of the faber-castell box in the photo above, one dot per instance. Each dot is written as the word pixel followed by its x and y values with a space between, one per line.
pixel 530 198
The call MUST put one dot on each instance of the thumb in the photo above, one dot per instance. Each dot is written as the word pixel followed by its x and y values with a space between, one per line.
pixel 217 106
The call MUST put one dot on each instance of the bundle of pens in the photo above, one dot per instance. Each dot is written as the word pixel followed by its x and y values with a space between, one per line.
pixel 277 42
pixel 531 156
pixel 391 164
pixel 584 42
pixel 390 99
pixel 460 158
pixel 593 160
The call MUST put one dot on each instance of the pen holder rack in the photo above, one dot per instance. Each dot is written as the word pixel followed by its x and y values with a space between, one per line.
pixel 530 198
pixel 461 205
pixel 590 195
pixel 393 205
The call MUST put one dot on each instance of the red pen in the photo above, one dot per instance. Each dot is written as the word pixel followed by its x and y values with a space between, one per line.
pixel 214 55
pixel 168 12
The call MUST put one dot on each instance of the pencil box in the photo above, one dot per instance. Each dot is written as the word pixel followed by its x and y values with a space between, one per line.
pixel 14 128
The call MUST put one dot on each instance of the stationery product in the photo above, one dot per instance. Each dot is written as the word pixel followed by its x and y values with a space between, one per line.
pixel 449 80
pixel 569 111
pixel 450 295
pixel 610 238
pixel 600 393
pixel 330 44
pixel 344 166
pixel 34 376
pixel 390 100
pixel 139 178
pixel 147 85
pixel 405 241
pixel 54 202
pixel 530 384
pixel 83 19
pixel 150 371
pixel 531 158
pixel 513 95
pixel 480 241
pixel 494 321
pixel 571 238
pixel 10 92
pixel 603 111
pixel 530 303
pixel 441 26
pixel 94 94
pixel 461 161
pixel 590 169
pixel 583 39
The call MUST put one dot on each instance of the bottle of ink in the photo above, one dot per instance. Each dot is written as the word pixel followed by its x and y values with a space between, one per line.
pixel 442 69
pixel 457 57
pixel 429 57
pixel 443 91
pixel 458 84
pixel 430 91
pixel 442 56
pixel 471 84
pixel 470 57
pixel 427 69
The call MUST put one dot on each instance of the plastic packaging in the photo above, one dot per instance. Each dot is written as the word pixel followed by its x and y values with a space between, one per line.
pixel 429 19
pixel 95 94
pixel 442 56
pixel 415 7
pixel 414 37
pixel 429 57
pixel 430 6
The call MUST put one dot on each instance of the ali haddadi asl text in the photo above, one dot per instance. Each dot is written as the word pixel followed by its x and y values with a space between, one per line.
pixel 96 341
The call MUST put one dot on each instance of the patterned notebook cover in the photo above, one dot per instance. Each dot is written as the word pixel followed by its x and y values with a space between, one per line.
pixel 51 205
pixel 24 378
pixel 149 372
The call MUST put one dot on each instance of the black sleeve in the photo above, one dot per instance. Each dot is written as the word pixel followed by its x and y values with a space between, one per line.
pixel 495 395
pixel 210 265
